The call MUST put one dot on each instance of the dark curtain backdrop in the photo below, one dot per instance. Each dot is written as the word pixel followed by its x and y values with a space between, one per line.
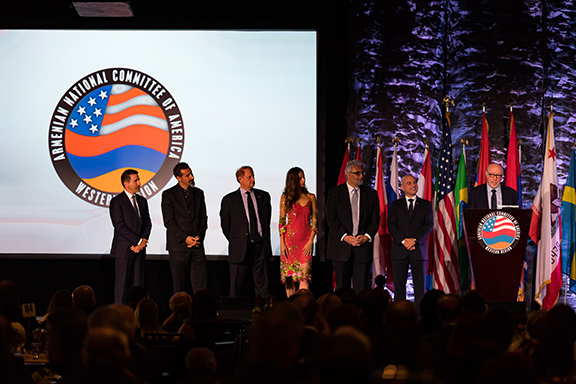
pixel 405 56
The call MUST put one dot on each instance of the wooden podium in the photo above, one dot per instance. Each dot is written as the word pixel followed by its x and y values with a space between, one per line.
pixel 496 241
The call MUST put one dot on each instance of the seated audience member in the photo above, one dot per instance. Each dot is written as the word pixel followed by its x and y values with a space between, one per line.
pixel 429 321
pixel 11 309
pixel 468 349
pixel 201 366
pixel 500 328
pixel 344 315
pixel 84 298
pixel 553 358
pixel 147 318
pixel 106 356
pixel 135 294
pixel 315 327
pixel 531 337
pixel 129 320
pixel 345 358
pixel 373 307
pixel 327 303
pixel 66 328
pixel 380 282
pixel 434 345
pixel 506 368
pixel 143 363
pixel 8 370
pixel 61 299
pixel 274 347
pixel 203 312
pixel 180 305
pixel 472 301
pixel 400 336
pixel 351 298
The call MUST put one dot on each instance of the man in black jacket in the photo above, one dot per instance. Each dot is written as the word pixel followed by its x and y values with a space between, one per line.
pixel 186 222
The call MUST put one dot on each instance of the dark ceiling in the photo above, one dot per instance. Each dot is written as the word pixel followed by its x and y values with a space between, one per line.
pixel 174 14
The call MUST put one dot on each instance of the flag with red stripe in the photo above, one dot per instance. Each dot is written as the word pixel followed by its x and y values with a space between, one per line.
pixel 392 193
pixel 545 228
pixel 484 159
pixel 382 240
pixel 426 192
pixel 342 176
pixel 446 276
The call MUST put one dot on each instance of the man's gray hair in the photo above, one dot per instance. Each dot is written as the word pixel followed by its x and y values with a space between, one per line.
pixel 354 163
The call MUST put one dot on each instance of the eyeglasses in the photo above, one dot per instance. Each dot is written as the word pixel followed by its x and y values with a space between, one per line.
pixel 358 173
pixel 494 176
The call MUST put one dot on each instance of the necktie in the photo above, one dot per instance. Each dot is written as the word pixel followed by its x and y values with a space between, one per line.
pixel 493 202
pixel 254 235
pixel 135 205
pixel 355 214
pixel 411 209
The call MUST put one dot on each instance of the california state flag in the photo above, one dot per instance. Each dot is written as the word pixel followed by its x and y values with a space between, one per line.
pixel 545 228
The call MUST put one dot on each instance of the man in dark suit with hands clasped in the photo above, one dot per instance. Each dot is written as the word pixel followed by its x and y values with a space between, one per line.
pixel 410 222
pixel 132 226
pixel 186 222
pixel 353 215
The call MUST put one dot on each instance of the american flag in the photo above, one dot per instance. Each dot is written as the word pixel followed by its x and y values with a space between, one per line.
pixel 446 276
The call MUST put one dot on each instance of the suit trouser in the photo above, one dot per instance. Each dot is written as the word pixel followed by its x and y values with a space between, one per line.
pixel 188 270
pixel 400 269
pixel 352 271
pixel 129 273
pixel 256 261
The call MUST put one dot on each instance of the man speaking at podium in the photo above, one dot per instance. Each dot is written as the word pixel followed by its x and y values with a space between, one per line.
pixel 492 194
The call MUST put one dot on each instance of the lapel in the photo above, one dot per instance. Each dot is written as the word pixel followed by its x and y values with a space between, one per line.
pixel 484 191
pixel 363 199
pixel 237 200
pixel 258 202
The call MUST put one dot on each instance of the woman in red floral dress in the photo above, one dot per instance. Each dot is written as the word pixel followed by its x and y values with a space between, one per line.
pixel 298 227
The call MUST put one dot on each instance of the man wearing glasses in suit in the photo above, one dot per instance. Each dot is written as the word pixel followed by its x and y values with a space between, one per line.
pixel 492 194
pixel 353 215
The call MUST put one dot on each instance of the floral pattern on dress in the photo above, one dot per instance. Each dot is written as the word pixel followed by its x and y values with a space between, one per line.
pixel 297 226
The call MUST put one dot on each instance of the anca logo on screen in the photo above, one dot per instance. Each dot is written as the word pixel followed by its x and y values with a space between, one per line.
pixel 498 232
pixel 109 121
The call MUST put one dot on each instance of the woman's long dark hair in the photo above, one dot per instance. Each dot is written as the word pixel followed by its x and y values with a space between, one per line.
pixel 293 190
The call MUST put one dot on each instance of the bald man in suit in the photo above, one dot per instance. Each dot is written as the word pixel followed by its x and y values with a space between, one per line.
pixel 492 194
pixel 410 222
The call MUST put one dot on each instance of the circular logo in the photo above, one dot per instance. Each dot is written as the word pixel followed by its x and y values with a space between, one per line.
pixel 109 121
pixel 498 232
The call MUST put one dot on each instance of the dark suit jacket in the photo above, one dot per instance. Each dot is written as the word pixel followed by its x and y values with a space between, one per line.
pixel 478 197
pixel 400 228
pixel 181 223
pixel 125 222
pixel 235 227
pixel 339 219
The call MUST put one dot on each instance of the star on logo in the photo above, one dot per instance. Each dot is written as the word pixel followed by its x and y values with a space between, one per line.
pixel 81 110
pixel 87 119
pixel 103 95
pixel 94 128
pixel 92 101
pixel 73 123
pixel 97 112
pixel 552 153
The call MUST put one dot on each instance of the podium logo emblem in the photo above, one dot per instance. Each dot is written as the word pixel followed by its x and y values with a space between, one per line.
pixel 109 121
pixel 498 232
